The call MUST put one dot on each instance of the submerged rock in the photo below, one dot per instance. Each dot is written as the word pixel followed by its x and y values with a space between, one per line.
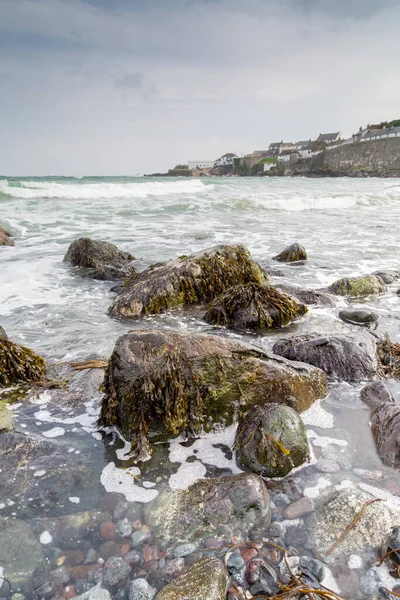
pixel 385 422
pixel 308 296
pixel 271 440
pixel 187 280
pixel 19 364
pixel 255 307
pixel 205 580
pixel 20 552
pixel 220 507
pixel 387 276
pixel 78 382
pixel 292 253
pixel 140 589
pixel 164 382
pixel 333 517
pixel 44 472
pixel 343 357
pixel 364 285
pixel 6 238
pixel 6 417
pixel 358 316
pixel 105 259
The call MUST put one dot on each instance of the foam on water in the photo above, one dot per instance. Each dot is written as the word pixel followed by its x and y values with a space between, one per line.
pixel 122 481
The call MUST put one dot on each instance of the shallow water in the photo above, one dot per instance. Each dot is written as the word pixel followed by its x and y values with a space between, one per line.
pixel 348 227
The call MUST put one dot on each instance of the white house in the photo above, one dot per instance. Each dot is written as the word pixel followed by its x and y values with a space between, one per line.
pixel 225 160
pixel 200 164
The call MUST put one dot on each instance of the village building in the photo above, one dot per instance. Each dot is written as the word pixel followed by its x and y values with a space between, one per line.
pixel 329 138
pixel 200 164
pixel 226 160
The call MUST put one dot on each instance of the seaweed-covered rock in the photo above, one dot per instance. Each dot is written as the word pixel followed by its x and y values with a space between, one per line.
pixel 43 471
pixel 165 382
pixel 255 307
pixel 364 285
pixel 292 253
pixel 358 316
pixel 385 422
pixel 3 335
pixel 187 280
pixel 271 440
pixel 19 364
pixel 5 238
pixel 222 507
pixel 387 276
pixel 205 580
pixel 308 296
pixel 104 259
pixel 20 552
pixel 334 515
pixel 343 357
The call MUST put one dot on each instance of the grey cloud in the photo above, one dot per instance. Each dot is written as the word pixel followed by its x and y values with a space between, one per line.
pixel 136 84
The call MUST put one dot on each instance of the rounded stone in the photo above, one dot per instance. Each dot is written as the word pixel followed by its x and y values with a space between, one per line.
pixel 271 440
pixel 359 316
pixel 140 589
pixel 184 550
pixel 277 530
pixel 386 276
pixel 292 253
pixel 116 569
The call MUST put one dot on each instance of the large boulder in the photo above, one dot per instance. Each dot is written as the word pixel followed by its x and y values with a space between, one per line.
pixel 292 253
pixel 364 285
pixel 205 580
pixel 344 357
pixel 20 552
pixel 5 238
pixel 220 507
pixel 187 280
pixel 385 422
pixel 255 307
pixel 43 471
pixel 104 259
pixel 19 364
pixel 271 440
pixel 329 532
pixel 164 382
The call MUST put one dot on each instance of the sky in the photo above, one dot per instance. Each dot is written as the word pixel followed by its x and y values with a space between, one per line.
pixel 124 87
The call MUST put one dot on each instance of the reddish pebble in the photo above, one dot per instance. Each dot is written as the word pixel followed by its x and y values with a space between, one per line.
pixel 108 530
pixel 69 592
pixel 108 549
pixel 73 557
pixel 136 524
pixel 248 554
pixel 124 549
pixel 82 571
pixel 149 553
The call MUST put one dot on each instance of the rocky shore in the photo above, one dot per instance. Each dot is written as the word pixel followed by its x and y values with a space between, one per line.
pixel 265 503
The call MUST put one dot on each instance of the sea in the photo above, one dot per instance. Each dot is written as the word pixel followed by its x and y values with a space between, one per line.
pixel 348 227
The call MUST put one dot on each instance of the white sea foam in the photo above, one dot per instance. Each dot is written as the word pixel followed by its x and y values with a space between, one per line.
pixel 122 481
pixel 317 416
pixel 53 433
pixel 314 492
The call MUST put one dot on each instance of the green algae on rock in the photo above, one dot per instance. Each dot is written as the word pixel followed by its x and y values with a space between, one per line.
pixel 364 285
pixel 292 253
pixel 6 417
pixel 187 280
pixel 219 506
pixel 19 364
pixel 271 440
pixel 205 580
pixel 255 307
pixel 165 383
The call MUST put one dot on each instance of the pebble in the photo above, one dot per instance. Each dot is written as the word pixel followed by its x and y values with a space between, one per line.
pixel 281 499
pixel 91 556
pixel 150 553
pixel 139 589
pixel 95 593
pixel 116 569
pixel 120 510
pixel 108 530
pixel 304 506
pixel 174 566
pixel 124 527
pixel 69 592
pixel 132 557
pixel 313 566
pixel 235 561
pixel 140 536
pixel 248 554
pixel 184 550
pixel 327 465
pixel 277 530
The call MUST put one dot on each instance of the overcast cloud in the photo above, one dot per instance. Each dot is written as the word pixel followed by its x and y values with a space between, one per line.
pixel 133 86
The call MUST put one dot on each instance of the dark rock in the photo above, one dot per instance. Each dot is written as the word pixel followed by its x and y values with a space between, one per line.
pixel 206 579
pixel 3 335
pixel 187 280
pixel 5 238
pixel 115 570
pixel 235 561
pixel 71 530
pixel 254 307
pixel 23 456
pixel 330 520
pixel 112 273
pixel 312 566
pixel 364 285
pixel 358 316
pixel 140 589
pixel 20 552
pixel 94 254
pixel 19 364
pixel 387 276
pixel 271 440
pixel 292 253
pixel 166 382
pixel 222 507
pixel 43 584
pixel 273 272
pixel 344 357
pixel 385 422
pixel 392 545
pixel 308 296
